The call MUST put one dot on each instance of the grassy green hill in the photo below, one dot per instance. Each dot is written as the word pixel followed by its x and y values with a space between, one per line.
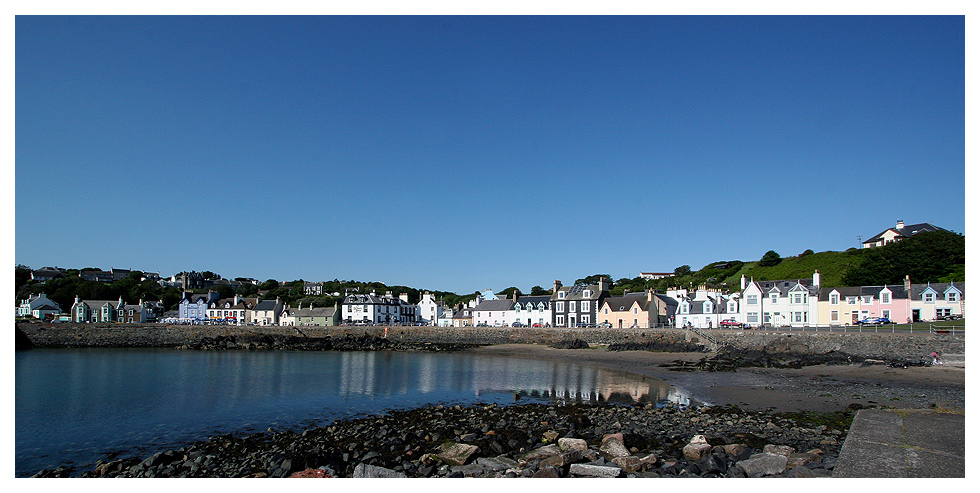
pixel 832 266
pixel 932 257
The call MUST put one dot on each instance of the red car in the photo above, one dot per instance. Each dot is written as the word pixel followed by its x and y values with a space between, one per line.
pixel 730 323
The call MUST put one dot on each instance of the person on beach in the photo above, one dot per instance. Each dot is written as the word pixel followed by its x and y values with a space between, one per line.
pixel 935 358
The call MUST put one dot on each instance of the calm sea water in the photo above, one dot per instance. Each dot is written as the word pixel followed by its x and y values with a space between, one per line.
pixel 75 406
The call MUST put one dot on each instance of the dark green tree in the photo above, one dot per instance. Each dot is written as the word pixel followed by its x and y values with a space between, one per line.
pixel 770 259
pixel 593 279
pixel 509 292
pixel 684 270
pixel 538 291
pixel 925 257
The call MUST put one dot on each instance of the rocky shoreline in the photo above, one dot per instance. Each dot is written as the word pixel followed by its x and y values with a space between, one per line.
pixel 527 440
pixel 259 342
pixel 564 440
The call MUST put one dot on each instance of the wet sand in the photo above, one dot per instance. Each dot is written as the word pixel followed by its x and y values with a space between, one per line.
pixel 819 388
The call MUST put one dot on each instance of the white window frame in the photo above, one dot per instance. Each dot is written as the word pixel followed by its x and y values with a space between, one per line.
pixel 834 298
pixel 584 305
pixel 886 298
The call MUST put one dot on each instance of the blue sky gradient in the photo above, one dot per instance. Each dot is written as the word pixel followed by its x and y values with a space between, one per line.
pixel 478 152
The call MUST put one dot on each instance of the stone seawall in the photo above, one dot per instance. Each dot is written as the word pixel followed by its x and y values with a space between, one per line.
pixel 869 345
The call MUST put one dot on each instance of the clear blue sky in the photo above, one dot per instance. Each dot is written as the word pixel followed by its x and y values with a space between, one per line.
pixel 467 153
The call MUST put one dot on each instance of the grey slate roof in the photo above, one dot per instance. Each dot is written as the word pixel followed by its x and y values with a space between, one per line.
pixel 576 293
pixel 908 230
pixel 326 311
pixel 265 305
pixel 622 303
pixel 939 287
pixel 785 285
pixel 494 305
pixel 533 300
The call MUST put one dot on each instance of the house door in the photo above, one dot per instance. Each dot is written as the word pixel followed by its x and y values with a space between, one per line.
pixel 854 318
pixel 571 320
pixel 915 315
pixel 529 322
pixel 620 323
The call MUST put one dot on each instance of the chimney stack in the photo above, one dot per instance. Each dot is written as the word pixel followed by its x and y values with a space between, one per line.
pixel 557 286
pixel 899 224
pixel 816 278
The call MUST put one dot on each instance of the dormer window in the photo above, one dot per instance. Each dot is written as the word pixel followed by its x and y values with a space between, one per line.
pixel 586 293
pixel 886 297
pixel 834 299
pixel 774 298
pixel 929 297
pixel 951 296
pixel 561 295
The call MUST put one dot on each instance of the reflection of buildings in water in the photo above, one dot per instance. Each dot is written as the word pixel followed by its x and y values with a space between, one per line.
pixel 370 373
pixel 679 397
pixel 357 372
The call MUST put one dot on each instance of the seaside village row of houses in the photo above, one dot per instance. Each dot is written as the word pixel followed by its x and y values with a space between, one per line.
pixel 797 303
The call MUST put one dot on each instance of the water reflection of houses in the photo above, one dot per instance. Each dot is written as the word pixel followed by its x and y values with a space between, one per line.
pixel 374 373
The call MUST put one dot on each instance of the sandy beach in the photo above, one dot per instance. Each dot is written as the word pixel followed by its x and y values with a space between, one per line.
pixel 813 388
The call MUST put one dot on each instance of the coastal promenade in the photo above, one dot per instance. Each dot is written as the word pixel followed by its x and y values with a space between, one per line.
pixel 904 443
pixel 882 346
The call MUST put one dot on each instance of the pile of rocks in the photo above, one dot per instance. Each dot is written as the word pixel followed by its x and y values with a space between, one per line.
pixel 529 440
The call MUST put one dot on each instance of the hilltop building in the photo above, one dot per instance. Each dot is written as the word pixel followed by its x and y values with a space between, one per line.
pixel 898 233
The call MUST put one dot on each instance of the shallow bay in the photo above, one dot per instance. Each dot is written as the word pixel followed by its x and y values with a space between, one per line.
pixel 75 406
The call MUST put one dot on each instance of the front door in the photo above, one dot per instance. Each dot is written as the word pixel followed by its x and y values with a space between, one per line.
pixel 854 318
pixel 915 315
pixel 571 320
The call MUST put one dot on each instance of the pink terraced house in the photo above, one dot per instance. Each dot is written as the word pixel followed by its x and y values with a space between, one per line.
pixel 848 305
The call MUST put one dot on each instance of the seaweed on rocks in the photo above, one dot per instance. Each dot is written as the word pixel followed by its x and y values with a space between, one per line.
pixel 730 359
pixel 657 345
pixel 573 344
pixel 299 343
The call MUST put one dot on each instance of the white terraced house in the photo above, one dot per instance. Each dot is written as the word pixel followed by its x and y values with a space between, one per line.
pixel 781 303
pixel 37 303
pixel 493 313
pixel 378 310
pixel 530 311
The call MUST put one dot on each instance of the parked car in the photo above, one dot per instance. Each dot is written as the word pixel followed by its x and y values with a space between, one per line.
pixel 517 324
pixel 605 325
pixel 874 321
pixel 731 322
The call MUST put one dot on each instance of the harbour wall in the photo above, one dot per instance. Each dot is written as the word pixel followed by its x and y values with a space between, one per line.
pixel 867 345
